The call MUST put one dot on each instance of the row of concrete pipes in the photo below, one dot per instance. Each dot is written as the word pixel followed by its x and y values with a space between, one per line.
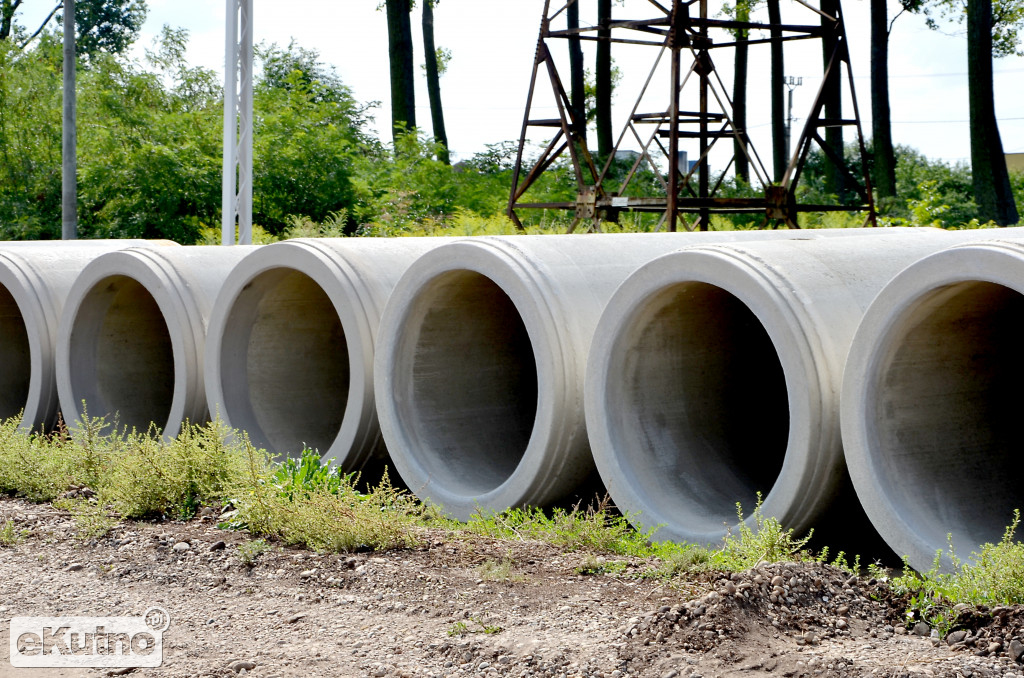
pixel 835 372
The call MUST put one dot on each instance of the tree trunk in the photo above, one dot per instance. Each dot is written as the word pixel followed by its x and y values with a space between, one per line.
pixel 739 94
pixel 833 95
pixel 434 83
pixel 881 121
pixel 779 156
pixel 403 95
pixel 603 80
pixel 988 164
pixel 577 84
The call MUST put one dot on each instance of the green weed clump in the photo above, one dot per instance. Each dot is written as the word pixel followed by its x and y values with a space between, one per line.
pixel 10 536
pixel 992 576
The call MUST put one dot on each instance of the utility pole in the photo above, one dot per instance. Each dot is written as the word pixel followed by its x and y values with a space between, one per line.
pixel 791 83
pixel 69 171
pixel 237 197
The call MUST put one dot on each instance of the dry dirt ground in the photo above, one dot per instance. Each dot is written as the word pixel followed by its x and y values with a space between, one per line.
pixel 467 607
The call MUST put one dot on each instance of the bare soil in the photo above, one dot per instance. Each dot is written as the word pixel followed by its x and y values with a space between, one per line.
pixel 470 607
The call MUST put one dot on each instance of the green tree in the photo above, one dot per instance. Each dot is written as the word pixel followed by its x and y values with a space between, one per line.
pixel 403 91
pixel 434 59
pixel 103 25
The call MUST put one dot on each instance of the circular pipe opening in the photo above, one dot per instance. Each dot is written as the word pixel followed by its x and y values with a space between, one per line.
pixel 945 412
pixel 284 335
pixel 702 407
pixel 473 395
pixel 15 356
pixel 122 360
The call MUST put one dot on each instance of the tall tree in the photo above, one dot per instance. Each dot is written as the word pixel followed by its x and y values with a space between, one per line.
pixel 403 93
pixel 778 89
pixel 988 164
pixel 884 174
pixel 433 67
pixel 603 79
pixel 103 25
pixel 577 77
pixel 741 12
pixel 993 30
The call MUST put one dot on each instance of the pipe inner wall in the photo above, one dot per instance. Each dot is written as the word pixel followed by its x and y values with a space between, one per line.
pixel 123 349
pixel 473 382
pixel 15 356
pixel 704 403
pixel 284 335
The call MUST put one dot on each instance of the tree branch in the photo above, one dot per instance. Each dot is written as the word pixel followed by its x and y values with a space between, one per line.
pixel 898 15
pixel 42 25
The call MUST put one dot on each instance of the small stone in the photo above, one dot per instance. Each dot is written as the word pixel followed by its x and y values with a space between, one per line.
pixel 306 574
pixel 778 580
pixel 671 674
pixel 730 588
pixel 296 617
pixel 841 624
pixel 994 648
pixel 955 637
pixel 75 567
pixel 218 546
pixel 922 629
pixel 241 665
pixel 182 546
pixel 1016 650
pixel 900 631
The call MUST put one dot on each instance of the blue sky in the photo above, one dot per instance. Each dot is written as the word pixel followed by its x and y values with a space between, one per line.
pixel 493 41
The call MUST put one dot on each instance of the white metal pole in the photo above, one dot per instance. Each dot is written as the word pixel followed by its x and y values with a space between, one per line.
pixel 228 204
pixel 245 124
pixel 69 172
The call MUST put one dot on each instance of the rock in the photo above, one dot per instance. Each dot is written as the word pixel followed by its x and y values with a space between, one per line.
pixel 74 567
pixel 922 629
pixel 306 574
pixel 994 648
pixel 124 671
pixel 955 637
pixel 296 617
pixel 241 665
pixel 218 546
pixel 1016 650
pixel 182 546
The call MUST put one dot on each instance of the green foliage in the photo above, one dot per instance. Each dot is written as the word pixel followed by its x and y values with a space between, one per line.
pixel 298 478
pixel 92 520
pixel 10 536
pixel 994 576
pixel 250 551
pixel 767 541
pixel 1007 21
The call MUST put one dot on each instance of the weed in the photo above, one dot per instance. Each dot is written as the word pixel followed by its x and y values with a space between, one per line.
pixel 994 576
pixel 462 628
pixel 592 565
pixel 458 629
pixel 9 536
pixel 683 561
pixel 92 520
pixel 498 570
pixel 300 478
pixel 250 551
pixel 767 542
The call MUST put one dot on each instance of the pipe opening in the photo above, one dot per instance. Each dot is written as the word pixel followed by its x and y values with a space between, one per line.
pixel 947 412
pixel 296 362
pixel 15 356
pixel 122 358
pixel 474 389
pixel 702 405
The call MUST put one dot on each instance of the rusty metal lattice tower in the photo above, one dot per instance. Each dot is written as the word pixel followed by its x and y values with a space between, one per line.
pixel 684 32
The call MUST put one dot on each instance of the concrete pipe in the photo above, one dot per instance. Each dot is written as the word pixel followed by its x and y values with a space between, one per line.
pixel 131 336
pixel 291 343
pixel 931 398
pixel 35 280
pixel 715 374
pixel 480 361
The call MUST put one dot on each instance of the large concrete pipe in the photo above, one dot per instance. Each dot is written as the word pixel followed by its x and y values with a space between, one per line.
pixel 715 375
pixel 481 357
pixel 35 280
pixel 132 333
pixel 931 401
pixel 291 342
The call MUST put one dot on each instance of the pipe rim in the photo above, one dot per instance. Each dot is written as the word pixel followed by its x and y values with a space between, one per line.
pixel 180 315
pixel 920 284
pixel 24 284
pixel 516 277
pixel 796 345
pixel 356 310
